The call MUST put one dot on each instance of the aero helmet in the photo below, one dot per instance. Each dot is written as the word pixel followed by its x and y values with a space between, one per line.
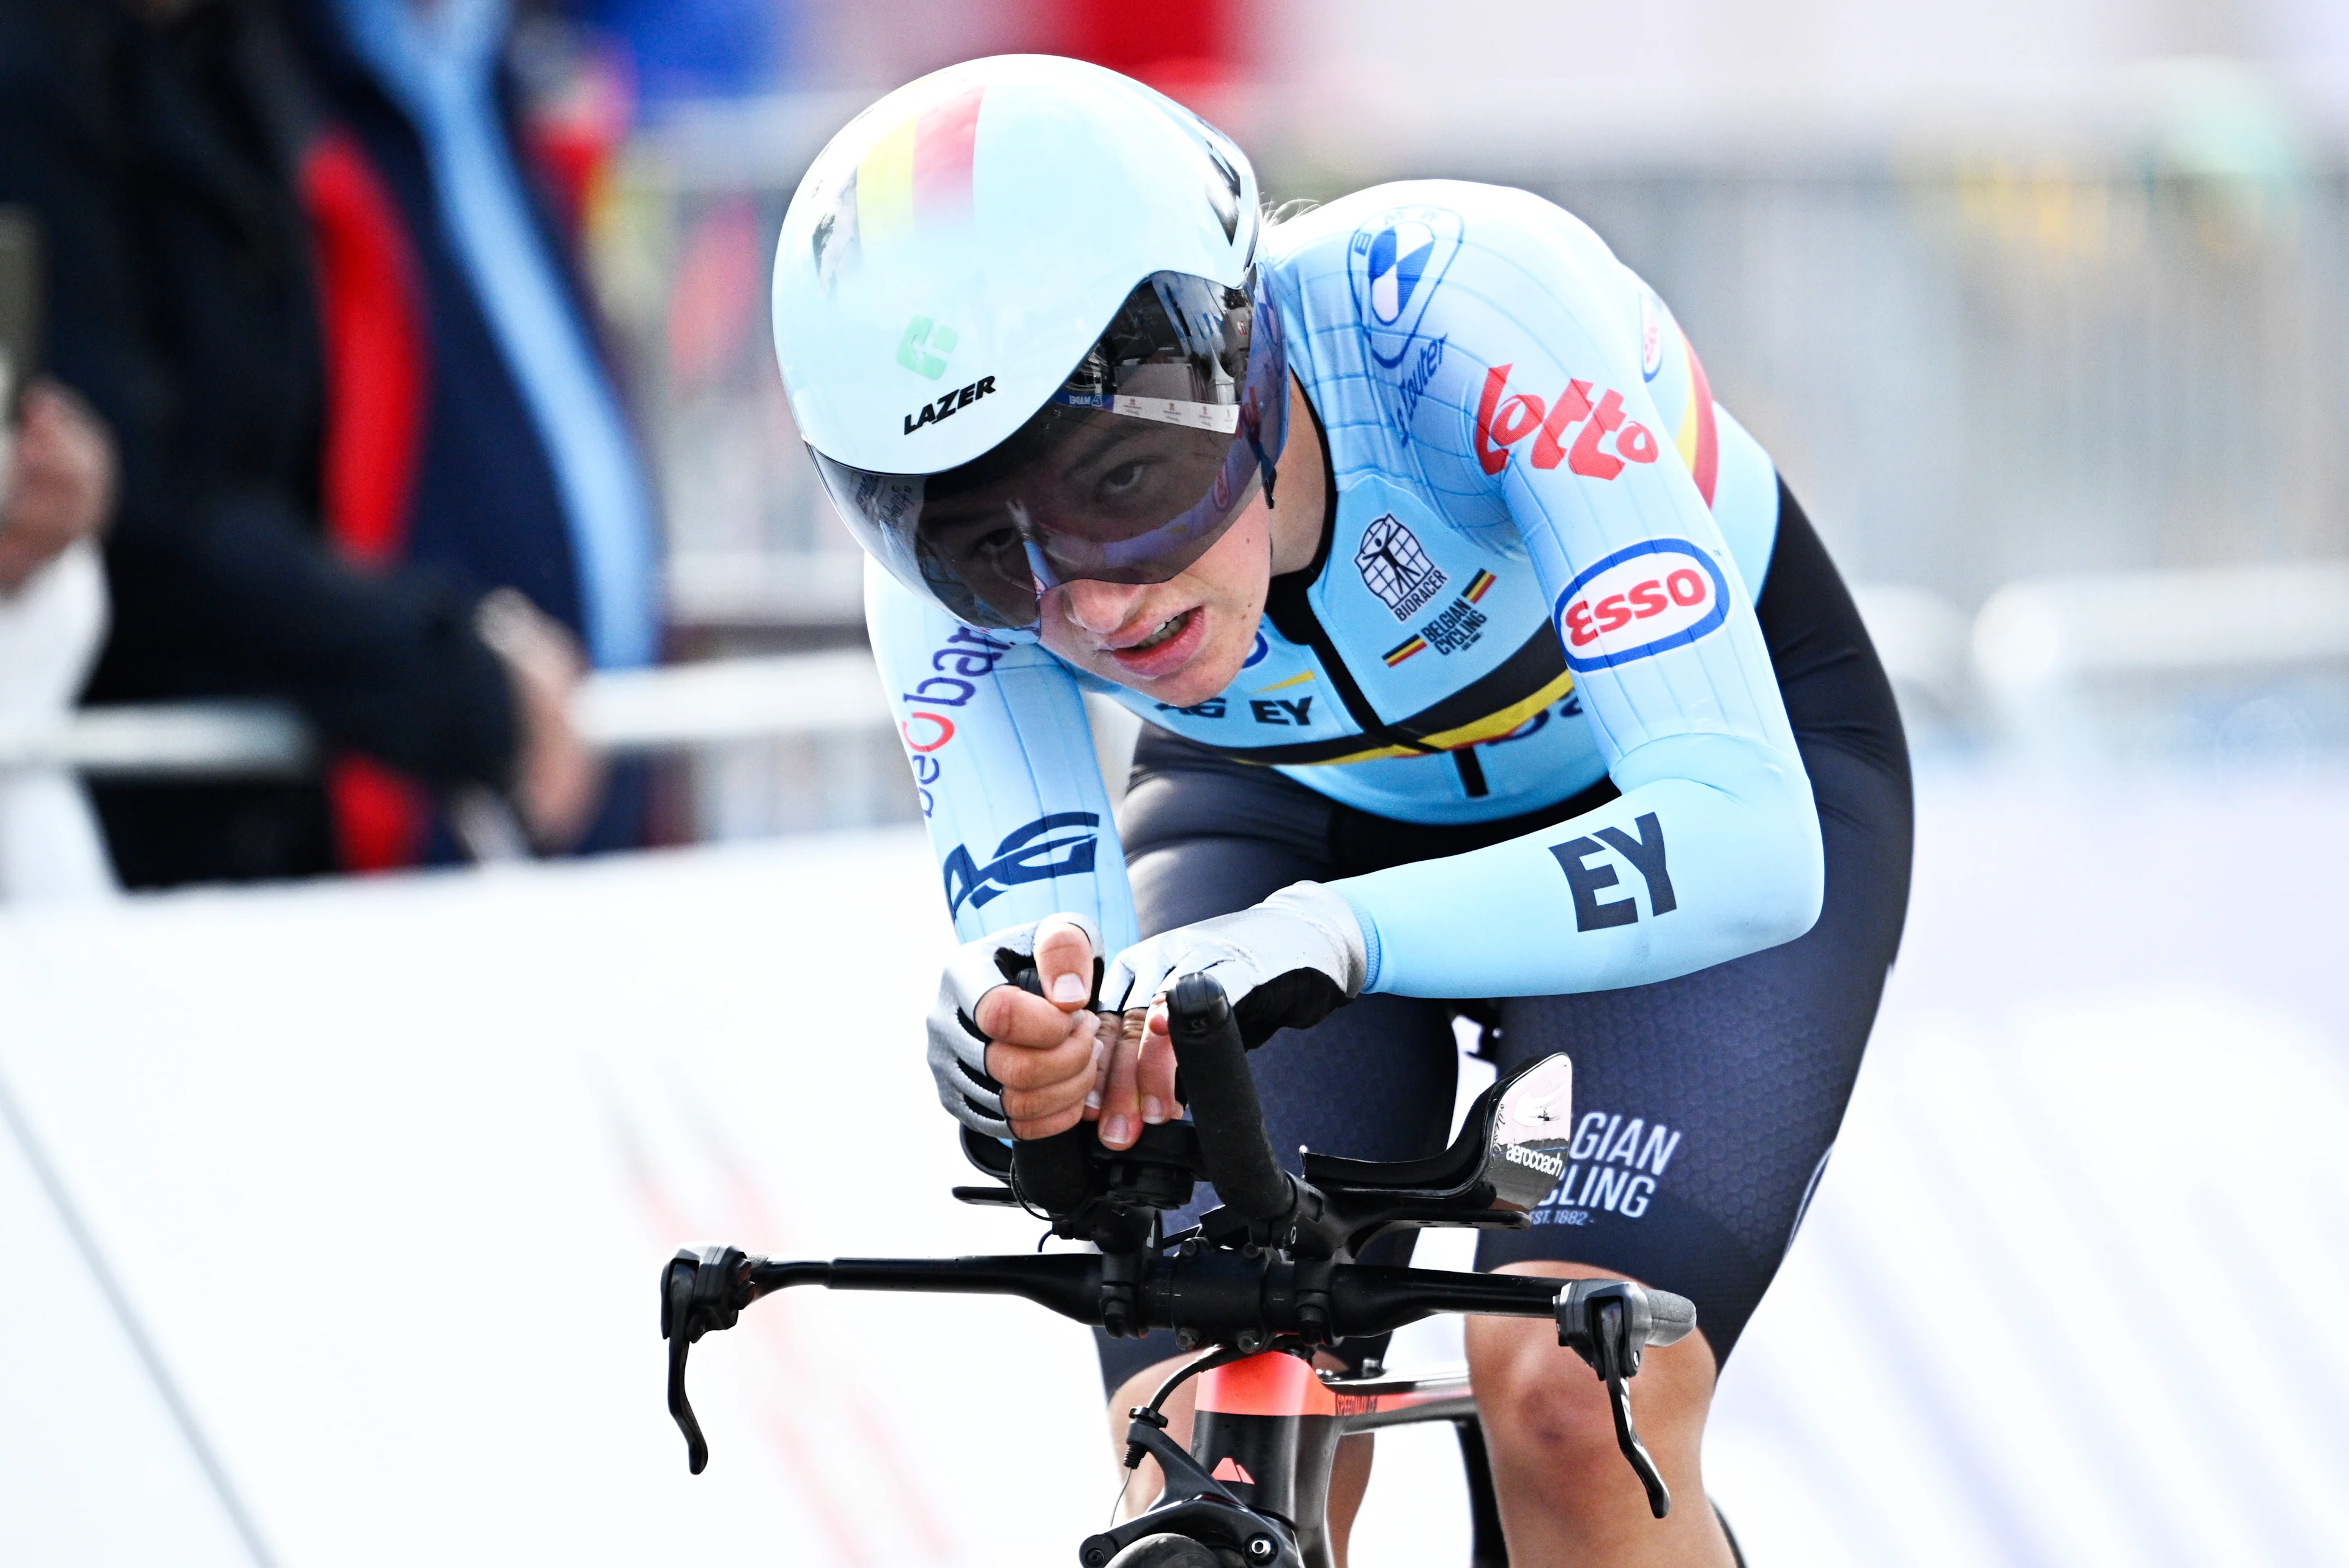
pixel 1019 321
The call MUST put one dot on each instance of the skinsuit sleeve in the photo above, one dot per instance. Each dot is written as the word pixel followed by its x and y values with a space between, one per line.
pixel 1712 850
pixel 1003 756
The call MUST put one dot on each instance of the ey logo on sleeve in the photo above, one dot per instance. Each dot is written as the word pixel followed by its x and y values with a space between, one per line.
pixel 1585 881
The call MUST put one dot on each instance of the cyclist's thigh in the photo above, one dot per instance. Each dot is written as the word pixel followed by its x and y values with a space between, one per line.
pixel 1705 1107
pixel 1373 1080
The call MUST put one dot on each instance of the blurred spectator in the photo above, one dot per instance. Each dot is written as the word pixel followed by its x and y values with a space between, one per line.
pixel 314 502
pixel 56 481
pixel 57 490
pixel 686 51
pixel 438 250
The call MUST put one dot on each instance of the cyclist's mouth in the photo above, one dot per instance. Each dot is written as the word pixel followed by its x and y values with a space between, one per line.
pixel 1168 648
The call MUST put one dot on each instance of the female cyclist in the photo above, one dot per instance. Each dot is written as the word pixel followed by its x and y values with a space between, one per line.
pixel 1488 667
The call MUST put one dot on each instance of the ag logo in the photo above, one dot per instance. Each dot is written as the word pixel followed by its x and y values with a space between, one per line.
pixel 1395 263
pixel 1060 844
pixel 1641 600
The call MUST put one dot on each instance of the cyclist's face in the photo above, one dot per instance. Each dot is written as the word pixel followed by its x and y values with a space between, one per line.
pixel 1183 640
pixel 1179 641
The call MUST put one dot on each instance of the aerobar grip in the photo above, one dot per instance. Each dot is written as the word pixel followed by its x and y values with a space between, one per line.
pixel 1670 1317
pixel 1222 1093
pixel 1049 1173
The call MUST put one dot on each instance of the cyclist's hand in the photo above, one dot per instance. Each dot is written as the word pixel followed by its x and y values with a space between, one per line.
pixel 1009 1064
pixel 1285 963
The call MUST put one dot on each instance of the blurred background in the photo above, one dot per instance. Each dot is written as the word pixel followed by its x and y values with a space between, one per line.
pixel 2044 312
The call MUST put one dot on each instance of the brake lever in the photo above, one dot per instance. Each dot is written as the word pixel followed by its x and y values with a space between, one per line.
pixel 699 1294
pixel 1605 1322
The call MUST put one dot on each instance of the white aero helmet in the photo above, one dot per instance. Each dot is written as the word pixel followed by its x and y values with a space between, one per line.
pixel 1017 313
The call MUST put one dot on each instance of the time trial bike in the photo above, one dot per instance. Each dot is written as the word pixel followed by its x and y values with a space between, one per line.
pixel 1255 1287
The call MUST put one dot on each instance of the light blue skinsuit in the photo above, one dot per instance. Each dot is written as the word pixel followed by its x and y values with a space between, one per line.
pixel 1549 541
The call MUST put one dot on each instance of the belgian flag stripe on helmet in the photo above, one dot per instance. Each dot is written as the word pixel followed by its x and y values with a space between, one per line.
pixel 920 172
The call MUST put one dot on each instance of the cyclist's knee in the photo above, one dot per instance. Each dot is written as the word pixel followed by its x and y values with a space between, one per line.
pixel 1544 1410
pixel 1537 1413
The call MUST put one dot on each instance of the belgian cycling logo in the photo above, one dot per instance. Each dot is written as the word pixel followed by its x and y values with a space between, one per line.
pixel 1458 625
pixel 1501 424
pixel 1644 600
pixel 1059 844
pixel 1395 569
pixel 1614 1164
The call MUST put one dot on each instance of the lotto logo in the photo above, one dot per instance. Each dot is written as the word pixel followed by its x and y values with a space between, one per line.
pixel 1500 425
pixel 1641 600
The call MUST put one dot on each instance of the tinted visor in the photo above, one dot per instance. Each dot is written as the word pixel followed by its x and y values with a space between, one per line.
pixel 1140 462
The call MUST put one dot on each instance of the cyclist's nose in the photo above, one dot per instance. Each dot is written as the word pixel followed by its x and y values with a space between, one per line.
pixel 1099 608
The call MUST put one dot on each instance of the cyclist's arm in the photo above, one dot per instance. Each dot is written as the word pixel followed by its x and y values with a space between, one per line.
pixel 995 730
pixel 1713 850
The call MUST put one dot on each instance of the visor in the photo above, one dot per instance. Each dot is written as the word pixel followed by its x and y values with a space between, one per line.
pixel 1132 469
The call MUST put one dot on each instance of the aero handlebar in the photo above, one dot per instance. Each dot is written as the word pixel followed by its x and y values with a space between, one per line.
pixel 1222 1091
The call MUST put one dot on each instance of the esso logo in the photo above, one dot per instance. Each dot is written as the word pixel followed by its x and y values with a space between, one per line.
pixel 1398 256
pixel 1641 600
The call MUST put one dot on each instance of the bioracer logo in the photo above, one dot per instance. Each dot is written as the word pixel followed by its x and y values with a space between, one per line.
pixel 1642 600
pixel 960 397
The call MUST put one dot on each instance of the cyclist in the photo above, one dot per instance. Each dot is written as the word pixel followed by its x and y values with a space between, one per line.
pixel 1488 666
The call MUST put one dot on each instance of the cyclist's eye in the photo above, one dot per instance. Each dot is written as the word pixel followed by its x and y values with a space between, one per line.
pixel 1121 483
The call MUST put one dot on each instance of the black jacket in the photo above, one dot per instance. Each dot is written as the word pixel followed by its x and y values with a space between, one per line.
pixel 160 160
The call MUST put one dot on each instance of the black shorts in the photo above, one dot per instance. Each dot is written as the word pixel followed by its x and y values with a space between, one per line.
pixel 1705 1107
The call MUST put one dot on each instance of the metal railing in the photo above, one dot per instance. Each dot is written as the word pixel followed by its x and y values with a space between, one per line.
pixel 2037 663
pixel 680 707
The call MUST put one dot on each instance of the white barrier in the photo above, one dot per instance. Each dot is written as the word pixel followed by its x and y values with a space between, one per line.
pixel 386 1171
pixel 2060 659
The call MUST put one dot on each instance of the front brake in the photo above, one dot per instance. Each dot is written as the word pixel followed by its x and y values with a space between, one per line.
pixel 1609 1322
pixel 699 1292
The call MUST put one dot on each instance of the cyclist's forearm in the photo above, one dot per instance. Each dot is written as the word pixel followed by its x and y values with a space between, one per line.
pixel 1002 756
pixel 1712 852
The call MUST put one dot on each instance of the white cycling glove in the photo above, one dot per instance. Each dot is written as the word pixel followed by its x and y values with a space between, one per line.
pixel 957 1049
pixel 1286 963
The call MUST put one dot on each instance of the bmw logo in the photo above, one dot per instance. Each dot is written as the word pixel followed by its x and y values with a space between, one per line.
pixel 1398 256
